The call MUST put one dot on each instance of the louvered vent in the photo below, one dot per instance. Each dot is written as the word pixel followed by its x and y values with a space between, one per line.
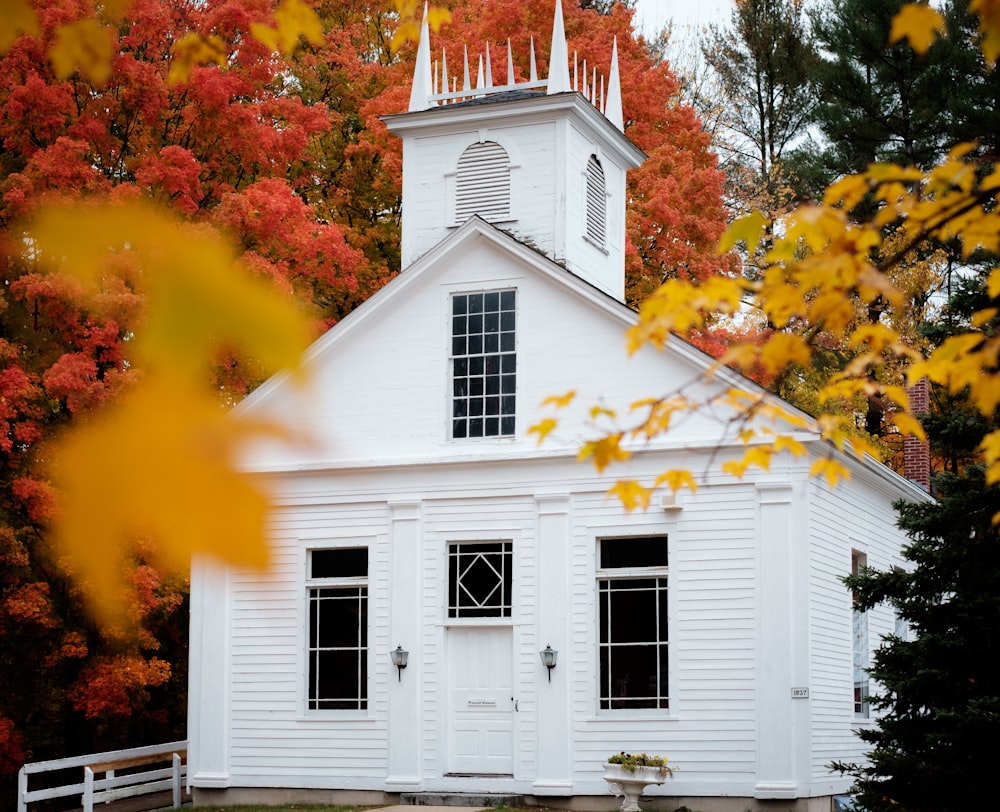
pixel 483 183
pixel 597 202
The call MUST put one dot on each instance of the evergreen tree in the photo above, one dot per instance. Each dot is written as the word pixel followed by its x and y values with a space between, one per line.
pixel 885 103
pixel 935 747
pixel 764 61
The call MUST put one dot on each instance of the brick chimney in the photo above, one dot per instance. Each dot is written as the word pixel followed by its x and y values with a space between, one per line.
pixel 917 453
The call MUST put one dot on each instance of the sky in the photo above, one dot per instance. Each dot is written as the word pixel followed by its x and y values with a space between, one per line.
pixel 652 15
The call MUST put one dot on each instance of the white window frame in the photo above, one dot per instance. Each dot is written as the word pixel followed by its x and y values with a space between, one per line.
pixel 503 378
pixel 310 584
pixel 860 649
pixel 664 598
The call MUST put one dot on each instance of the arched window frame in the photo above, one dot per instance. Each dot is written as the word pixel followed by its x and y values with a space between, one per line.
pixel 482 183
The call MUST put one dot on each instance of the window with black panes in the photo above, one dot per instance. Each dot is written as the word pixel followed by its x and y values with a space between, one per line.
pixel 484 364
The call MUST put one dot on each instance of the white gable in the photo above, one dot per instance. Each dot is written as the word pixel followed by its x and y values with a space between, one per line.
pixel 380 389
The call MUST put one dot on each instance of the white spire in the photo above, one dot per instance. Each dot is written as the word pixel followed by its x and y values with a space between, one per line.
pixel 583 89
pixel 558 55
pixel 466 81
pixel 533 77
pixel 613 105
pixel 422 88
pixel 489 67
pixel 510 64
pixel 445 84
pixel 576 84
pixel 480 78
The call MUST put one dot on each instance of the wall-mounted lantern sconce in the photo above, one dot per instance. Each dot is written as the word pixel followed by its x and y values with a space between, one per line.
pixel 548 656
pixel 399 655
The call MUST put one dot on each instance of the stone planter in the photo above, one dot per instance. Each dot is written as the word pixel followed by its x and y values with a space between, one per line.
pixel 631 784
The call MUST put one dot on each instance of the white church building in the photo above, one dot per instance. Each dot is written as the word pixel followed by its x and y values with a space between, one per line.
pixel 543 626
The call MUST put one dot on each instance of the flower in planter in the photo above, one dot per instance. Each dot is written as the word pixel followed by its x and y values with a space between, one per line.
pixel 629 761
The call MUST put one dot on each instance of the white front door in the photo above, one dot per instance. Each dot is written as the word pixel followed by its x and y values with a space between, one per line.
pixel 480 701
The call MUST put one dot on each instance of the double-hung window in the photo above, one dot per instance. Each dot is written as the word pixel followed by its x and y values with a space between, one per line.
pixel 337 598
pixel 859 648
pixel 632 619
pixel 484 364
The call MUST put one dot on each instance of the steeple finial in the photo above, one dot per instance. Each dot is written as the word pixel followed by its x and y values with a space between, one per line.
pixel 480 78
pixel 422 88
pixel 489 67
pixel 466 81
pixel 445 84
pixel 613 103
pixel 533 76
pixel 510 64
pixel 558 55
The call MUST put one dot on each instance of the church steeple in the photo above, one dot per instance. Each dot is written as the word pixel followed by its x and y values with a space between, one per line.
pixel 538 158
pixel 424 94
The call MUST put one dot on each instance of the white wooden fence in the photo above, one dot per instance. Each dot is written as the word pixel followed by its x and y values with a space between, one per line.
pixel 100 782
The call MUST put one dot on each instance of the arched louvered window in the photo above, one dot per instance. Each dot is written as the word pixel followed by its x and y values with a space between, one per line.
pixel 482 185
pixel 597 202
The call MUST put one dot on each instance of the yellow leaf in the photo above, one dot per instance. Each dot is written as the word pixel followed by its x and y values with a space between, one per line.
pixel 675 479
pixel 631 494
pixel 989 27
pixel 919 24
pixel 84 45
pixel 782 349
pixel 160 463
pixel 862 448
pixel 597 411
pixel 848 191
pixel 16 17
pixel 293 19
pixel 758 455
pixel 909 425
pixel 543 428
pixel 748 229
pixel 982 317
pixel 560 401
pixel 990 446
pixel 785 443
pixel 438 16
pixel 194 49
pixel 604 451
pixel 831 470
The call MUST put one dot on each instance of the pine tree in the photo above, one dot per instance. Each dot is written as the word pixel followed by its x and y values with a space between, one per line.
pixel 935 744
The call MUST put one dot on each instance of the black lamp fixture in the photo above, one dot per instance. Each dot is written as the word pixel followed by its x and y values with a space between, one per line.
pixel 399 655
pixel 548 657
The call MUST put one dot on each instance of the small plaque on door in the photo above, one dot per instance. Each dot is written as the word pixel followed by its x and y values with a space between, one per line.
pixel 479 703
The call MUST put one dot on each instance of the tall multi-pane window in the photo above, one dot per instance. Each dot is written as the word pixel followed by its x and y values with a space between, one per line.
pixel 337 595
pixel 484 364
pixel 859 650
pixel 479 579
pixel 597 202
pixel 632 619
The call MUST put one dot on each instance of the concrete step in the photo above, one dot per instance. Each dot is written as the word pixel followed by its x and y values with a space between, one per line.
pixel 478 800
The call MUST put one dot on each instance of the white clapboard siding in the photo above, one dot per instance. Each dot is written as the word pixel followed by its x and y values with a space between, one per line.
pixel 711 726
pixel 843 519
pixel 270 730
